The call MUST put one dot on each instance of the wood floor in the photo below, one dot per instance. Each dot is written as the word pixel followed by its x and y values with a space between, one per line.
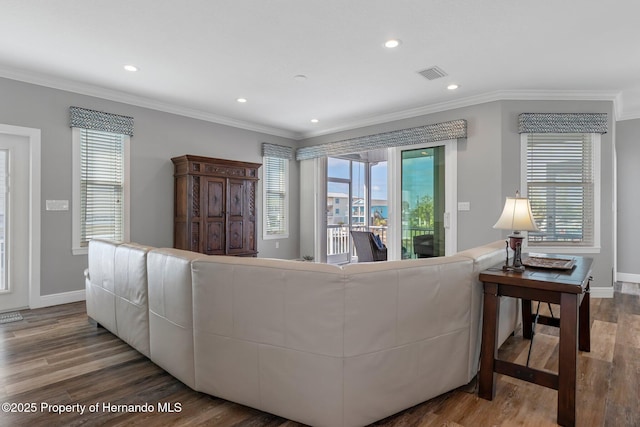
pixel 55 356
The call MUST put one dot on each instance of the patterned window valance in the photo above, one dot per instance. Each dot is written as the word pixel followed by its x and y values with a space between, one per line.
pixel 104 122
pixel 563 123
pixel 279 151
pixel 429 133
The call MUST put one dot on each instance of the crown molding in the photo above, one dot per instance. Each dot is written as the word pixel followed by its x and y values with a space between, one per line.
pixel 631 115
pixel 501 95
pixel 623 114
pixel 139 101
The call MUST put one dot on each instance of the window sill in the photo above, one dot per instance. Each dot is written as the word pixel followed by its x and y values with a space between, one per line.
pixel 275 236
pixel 80 251
pixel 563 249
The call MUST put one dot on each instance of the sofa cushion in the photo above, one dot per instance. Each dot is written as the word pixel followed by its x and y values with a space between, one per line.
pixel 171 312
pixel 100 279
pixel 132 303
pixel 285 303
pixel 398 302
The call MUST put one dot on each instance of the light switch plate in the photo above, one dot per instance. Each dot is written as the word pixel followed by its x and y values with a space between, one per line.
pixel 57 205
pixel 464 206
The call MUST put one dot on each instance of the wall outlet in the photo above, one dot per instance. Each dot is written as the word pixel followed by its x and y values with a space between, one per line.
pixel 277 245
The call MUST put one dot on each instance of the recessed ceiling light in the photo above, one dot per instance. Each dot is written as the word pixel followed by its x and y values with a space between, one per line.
pixel 453 86
pixel 241 100
pixel 300 77
pixel 131 68
pixel 314 120
pixel 390 44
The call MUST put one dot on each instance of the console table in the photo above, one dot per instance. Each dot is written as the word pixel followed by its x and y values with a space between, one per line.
pixel 569 289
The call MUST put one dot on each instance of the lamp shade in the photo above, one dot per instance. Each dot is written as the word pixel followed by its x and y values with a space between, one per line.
pixel 516 215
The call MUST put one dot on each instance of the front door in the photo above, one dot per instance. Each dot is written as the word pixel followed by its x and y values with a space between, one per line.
pixel 14 225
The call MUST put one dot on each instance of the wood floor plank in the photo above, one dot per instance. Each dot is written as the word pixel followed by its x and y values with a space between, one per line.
pixel 70 372
pixel 56 355
pixel 630 334
pixel 603 341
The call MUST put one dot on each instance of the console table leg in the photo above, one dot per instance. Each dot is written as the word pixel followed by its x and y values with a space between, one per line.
pixel 488 353
pixel 584 334
pixel 527 319
pixel 568 355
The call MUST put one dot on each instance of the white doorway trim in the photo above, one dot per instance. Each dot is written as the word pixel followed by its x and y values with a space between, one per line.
pixel 33 136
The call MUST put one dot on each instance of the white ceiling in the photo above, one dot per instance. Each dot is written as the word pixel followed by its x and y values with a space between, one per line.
pixel 196 57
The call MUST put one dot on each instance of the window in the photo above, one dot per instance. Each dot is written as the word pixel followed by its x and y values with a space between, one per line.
pixel 100 187
pixel 4 283
pixel 276 203
pixel 562 180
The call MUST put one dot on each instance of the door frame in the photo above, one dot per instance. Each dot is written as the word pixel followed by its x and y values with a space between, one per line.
pixel 33 137
pixel 395 196
pixel 341 258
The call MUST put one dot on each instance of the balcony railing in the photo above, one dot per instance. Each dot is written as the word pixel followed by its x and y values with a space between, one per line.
pixel 338 238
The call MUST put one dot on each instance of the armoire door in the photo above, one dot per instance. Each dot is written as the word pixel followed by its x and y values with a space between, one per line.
pixel 214 216
pixel 237 210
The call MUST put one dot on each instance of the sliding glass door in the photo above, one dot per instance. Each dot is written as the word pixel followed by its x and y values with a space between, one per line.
pixel 415 218
pixel 425 199
pixel 423 202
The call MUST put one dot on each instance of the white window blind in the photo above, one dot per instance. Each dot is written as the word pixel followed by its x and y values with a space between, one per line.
pixel 561 188
pixel 102 185
pixel 275 197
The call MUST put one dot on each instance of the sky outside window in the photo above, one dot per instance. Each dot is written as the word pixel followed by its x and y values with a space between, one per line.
pixel 339 168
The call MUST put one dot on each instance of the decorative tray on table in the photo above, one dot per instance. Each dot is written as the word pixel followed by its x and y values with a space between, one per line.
pixel 551 263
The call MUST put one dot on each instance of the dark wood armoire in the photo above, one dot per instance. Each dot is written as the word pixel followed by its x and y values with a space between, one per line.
pixel 215 205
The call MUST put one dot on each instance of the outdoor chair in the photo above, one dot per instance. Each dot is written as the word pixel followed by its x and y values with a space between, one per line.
pixel 367 248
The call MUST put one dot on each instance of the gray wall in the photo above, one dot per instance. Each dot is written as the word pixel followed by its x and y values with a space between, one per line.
pixel 157 137
pixel 489 166
pixel 628 148
pixel 488 171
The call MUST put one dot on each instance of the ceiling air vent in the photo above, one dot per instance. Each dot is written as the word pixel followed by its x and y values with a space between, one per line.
pixel 432 73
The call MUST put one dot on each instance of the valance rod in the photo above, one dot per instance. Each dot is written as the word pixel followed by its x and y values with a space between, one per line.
pixel 429 133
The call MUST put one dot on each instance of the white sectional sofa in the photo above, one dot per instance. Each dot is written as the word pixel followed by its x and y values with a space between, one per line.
pixel 316 343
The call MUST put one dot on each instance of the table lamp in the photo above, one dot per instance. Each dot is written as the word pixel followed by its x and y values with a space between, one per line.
pixel 516 216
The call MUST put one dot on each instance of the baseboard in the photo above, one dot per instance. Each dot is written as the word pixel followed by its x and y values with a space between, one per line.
pixel 628 277
pixel 602 292
pixel 57 299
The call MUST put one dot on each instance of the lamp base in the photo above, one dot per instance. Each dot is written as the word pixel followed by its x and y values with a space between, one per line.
pixel 515 243
pixel 513 269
